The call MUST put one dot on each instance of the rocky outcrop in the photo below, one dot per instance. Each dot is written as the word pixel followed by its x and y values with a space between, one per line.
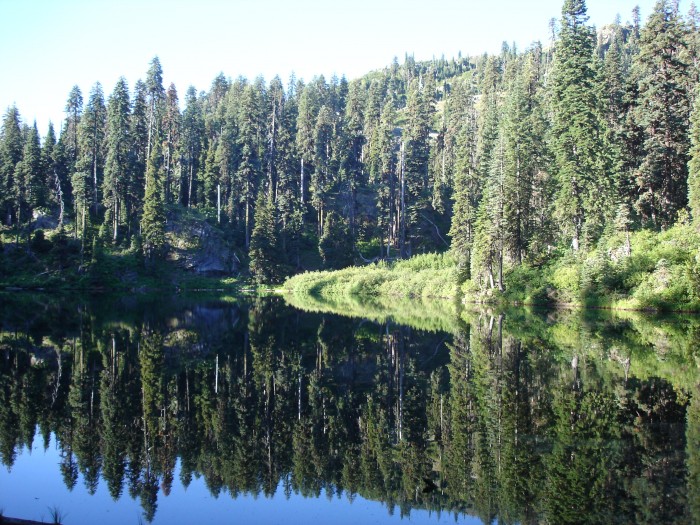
pixel 197 246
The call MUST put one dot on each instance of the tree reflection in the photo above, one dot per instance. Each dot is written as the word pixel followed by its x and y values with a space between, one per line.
pixel 511 417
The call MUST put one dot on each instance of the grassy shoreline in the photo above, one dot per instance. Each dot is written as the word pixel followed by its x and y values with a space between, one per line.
pixel 660 272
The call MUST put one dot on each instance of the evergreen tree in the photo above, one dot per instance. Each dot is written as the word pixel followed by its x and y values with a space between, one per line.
pixel 248 172
pixel 138 135
pixel 171 143
pixel 416 156
pixel 584 192
pixel 336 245
pixel 309 106
pixel 191 146
pixel 467 186
pixel 117 164
pixel 266 257
pixel 384 166
pixel 91 139
pixel 487 111
pixel 274 122
pixel 80 184
pixel 351 162
pixel 323 176
pixel 153 219
pixel 694 164
pixel 663 111
pixel 11 146
pixel 31 190
pixel 69 134
pixel 155 100
pixel 52 176
pixel 489 228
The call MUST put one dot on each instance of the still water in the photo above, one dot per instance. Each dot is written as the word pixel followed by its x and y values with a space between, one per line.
pixel 255 411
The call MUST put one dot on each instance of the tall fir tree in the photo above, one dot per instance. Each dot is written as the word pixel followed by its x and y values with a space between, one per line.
pixel 585 189
pixel 336 245
pixel 467 182
pixel 415 160
pixel 69 133
pixel 138 140
pixel 91 140
pixel 266 255
pixel 191 146
pixel 51 174
pixel 155 99
pixel 171 142
pixel 694 163
pixel 153 239
pixel 249 170
pixel 663 115
pixel 11 146
pixel 117 164
pixel 30 190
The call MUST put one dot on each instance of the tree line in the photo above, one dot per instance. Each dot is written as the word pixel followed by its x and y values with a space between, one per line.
pixel 505 159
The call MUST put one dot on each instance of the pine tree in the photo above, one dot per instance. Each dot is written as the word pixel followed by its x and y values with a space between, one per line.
pixel 662 113
pixel 584 192
pixel 336 245
pixel 489 227
pixel 153 219
pixel 351 162
pixel 310 102
pixel 31 190
pixel 191 144
pixel 384 166
pixel 694 163
pixel 69 134
pixel 91 140
pixel 80 184
pixel 467 186
pixel 155 100
pixel 117 164
pixel 416 156
pixel 171 143
pixel 324 175
pixel 288 191
pixel 266 256
pixel 11 145
pixel 251 147
pixel 138 134
pixel 55 186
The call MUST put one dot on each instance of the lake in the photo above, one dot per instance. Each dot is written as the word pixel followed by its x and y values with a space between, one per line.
pixel 254 410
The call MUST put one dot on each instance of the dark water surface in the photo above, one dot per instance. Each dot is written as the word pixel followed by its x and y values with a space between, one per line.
pixel 253 411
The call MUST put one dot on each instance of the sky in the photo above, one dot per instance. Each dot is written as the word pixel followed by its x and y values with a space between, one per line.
pixel 48 46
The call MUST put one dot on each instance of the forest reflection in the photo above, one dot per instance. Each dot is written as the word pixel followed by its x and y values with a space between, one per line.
pixel 516 417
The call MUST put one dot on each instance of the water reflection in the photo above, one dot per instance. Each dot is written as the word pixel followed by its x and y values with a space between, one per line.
pixel 512 417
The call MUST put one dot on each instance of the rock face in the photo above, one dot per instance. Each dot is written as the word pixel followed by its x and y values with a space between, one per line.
pixel 197 246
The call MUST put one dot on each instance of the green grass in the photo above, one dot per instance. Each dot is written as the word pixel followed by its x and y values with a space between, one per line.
pixel 427 276
pixel 662 273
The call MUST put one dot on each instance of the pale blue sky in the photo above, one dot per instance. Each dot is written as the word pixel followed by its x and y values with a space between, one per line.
pixel 47 46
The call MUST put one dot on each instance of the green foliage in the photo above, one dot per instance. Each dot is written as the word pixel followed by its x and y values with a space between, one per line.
pixel 694 163
pixel 430 275
pixel 584 181
pixel 663 111
pixel 153 220
pixel 266 256
pixel 336 244
pixel 39 243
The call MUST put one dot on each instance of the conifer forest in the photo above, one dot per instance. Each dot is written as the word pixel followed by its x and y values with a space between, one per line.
pixel 505 161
